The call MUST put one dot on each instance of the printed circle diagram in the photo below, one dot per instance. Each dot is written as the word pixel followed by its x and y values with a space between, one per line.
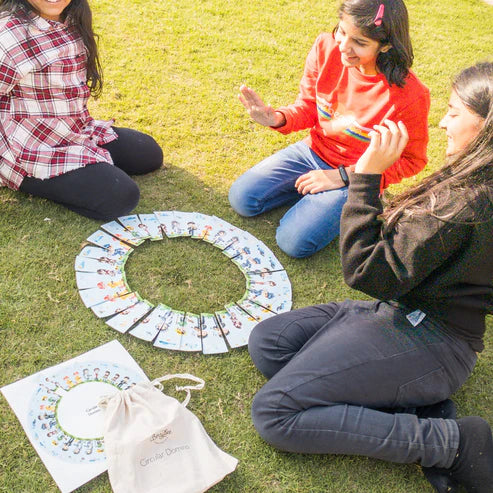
pixel 100 275
pixel 64 414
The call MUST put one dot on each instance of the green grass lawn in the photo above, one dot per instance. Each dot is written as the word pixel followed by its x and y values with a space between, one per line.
pixel 173 70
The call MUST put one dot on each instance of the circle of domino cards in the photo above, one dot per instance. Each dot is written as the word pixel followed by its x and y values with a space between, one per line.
pixel 104 289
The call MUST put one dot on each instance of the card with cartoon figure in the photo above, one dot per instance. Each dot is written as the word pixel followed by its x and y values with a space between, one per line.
pixel 150 224
pixel 169 336
pixel 86 264
pixel 222 233
pixel 252 255
pixel 186 223
pixel 130 316
pixel 58 409
pixel 169 225
pixel 272 290
pixel 236 325
pixel 123 234
pixel 86 280
pixel 94 296
pixel 148 328
pixel 213 341
pixel 238 243
pixel 133 224
pixel 197 226
pixel 191 334
pixel 104 256
pixel 115 305
pixel 110 243
pixel 256 311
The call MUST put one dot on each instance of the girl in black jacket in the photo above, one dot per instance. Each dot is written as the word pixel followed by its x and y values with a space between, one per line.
pixel 374 377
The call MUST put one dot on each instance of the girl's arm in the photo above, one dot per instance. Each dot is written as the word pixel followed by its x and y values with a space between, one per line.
pixel 387 266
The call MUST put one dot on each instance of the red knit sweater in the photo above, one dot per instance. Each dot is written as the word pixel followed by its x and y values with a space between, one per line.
pixel 340 105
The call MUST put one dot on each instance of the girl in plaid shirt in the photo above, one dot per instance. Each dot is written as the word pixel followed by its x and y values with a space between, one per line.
pixel 49 144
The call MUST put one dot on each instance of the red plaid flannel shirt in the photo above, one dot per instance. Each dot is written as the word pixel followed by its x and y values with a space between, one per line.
pixel 45 127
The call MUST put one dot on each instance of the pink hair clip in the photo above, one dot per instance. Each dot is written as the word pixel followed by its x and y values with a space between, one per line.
pixel 379 17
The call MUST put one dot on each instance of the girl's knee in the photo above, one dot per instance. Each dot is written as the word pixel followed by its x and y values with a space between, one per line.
pixel 294 244
pixel 119 200
pixel 241 200
pixel 154 156
pixel 262 418
pixel 258 340
pixel 267 421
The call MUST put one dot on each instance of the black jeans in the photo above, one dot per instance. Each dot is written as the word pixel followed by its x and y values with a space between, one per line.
pixel 344 379
pixel 102 191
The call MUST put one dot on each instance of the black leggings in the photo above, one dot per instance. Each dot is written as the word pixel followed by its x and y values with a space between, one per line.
pixel 102 191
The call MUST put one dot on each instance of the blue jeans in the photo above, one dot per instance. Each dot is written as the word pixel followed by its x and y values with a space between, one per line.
pixel 313 221
pixel 346 378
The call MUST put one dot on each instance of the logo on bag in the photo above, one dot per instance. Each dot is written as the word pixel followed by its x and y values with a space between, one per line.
pixel 160 436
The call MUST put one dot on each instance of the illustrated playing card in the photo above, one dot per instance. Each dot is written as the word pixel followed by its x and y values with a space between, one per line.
pixel 109 242
pixel 94 296
pixel 86 264
pixel 115 305
pixel 221 233
pixel 258 312
pixel 133 224
pixel 236 325
pixel 170 226
pixel 198 223
pixel 170 335
pixel 213 341
pixel 150 224
pixel 86 280
pixel 186 222
pixel 104 256
pixel 148 328
pixel 191 334
pixel 272 290
pixel 117 230
pixel 129 317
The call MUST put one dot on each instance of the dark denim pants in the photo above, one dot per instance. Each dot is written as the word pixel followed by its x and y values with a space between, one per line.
pixel 345 378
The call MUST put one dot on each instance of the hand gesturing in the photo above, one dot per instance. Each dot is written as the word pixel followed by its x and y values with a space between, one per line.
pixel 386 146
pixel 260 112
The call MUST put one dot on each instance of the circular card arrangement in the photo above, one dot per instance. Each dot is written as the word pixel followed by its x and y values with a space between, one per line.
pixel 61 423
pixel 103 287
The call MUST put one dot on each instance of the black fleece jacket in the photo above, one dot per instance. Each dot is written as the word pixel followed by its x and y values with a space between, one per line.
pixel 443 268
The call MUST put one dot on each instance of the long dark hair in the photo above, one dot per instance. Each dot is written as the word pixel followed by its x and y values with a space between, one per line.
pixel 78 15
pixel 393 31
pixel 467 173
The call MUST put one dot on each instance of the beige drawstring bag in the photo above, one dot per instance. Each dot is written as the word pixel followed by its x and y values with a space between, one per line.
pixel 154 444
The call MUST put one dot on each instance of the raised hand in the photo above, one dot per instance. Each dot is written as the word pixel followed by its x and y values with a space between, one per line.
pixel 260 112
pixel 386 146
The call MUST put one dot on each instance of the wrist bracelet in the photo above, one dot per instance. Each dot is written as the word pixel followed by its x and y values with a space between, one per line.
pixel 343 173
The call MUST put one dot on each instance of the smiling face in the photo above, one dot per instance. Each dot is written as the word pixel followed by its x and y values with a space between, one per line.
pixel 49 9
pixel 461 125
pixel 356 49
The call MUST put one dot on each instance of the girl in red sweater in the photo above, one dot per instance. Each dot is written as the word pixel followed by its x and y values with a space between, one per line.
pixel 354 78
